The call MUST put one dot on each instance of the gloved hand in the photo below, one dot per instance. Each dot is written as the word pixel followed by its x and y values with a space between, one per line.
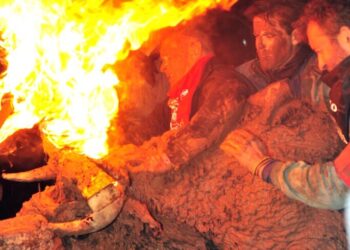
pixel 247 148
pixel 342 165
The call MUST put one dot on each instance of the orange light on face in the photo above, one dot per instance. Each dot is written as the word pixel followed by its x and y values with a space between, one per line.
pixel 58 62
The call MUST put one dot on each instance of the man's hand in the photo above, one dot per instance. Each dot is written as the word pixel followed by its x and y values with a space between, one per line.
pixel 155 163
pixel 247 148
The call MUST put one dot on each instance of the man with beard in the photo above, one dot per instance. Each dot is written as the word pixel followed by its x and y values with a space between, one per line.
pixel 280 54
pixel 321 185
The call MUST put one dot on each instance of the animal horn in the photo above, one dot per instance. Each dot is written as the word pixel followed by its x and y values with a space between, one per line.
pixel 105 205
pixel 39 174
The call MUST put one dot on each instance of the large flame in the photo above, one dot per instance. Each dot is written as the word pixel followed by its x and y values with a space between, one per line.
pixel 59 56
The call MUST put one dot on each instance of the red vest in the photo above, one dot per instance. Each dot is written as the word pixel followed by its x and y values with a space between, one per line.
pixel 180 97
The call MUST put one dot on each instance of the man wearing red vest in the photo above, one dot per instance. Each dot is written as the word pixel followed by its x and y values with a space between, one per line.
pixel 204 100
pixel 323 185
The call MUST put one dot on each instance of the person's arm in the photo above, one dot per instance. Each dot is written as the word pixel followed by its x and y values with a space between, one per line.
pixel 219 109
pixel 317 185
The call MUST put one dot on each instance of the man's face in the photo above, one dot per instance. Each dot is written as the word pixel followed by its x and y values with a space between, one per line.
pixel 178 54
pixel 329 52
pixel 273 44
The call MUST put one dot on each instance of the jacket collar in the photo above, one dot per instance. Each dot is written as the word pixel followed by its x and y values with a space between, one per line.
pixel 338 73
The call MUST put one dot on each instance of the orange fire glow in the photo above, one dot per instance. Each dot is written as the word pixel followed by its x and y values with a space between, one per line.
pixel 59 56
